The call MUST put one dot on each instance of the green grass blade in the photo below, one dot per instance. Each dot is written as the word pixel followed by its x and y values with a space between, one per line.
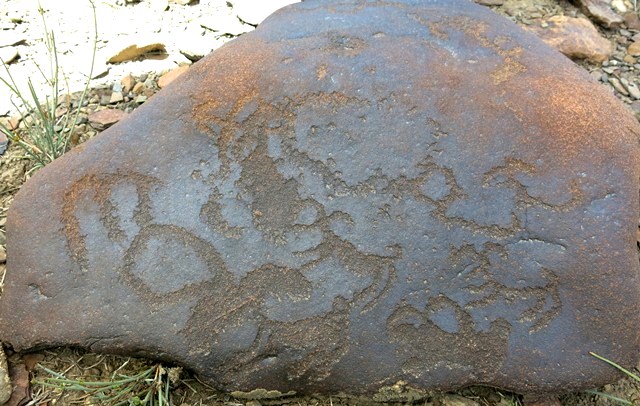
pixel 613 364
pixel 610 397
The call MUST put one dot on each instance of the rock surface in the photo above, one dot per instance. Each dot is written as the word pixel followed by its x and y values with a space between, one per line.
pixel 331 219
pixel 133 51
pixel 105 118
pixel 577 38
pixel 601 11
pixel 172 75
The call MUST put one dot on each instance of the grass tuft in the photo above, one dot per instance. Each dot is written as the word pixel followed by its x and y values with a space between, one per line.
pixel 46 131
pixel 622 369
pixel 149 387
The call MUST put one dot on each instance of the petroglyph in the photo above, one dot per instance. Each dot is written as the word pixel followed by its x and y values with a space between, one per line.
pixel 395 194
pixel 310 201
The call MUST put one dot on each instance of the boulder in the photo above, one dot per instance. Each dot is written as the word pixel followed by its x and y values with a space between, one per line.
pixel 353 197
pixel 601 12
pixel 577 38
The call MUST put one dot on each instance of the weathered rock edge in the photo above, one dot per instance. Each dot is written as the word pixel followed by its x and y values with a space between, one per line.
pixel 350 196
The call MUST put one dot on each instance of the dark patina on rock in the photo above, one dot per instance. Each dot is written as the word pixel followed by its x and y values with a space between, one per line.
pixel 355 194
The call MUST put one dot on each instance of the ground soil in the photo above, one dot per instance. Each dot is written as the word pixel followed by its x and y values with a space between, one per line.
pixel 186 389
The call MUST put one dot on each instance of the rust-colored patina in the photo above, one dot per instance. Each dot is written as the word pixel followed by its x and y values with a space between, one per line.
pixel 355 194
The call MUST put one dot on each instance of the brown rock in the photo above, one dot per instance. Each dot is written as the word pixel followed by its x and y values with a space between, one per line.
pixel 601 12
pixel 133 51
pixel 138 88
pixel 171 76
pixel 31 360
pixel 19 377
pixel 128 82
pixel 116 97
pixel 147 92
pixel 634 49
pixel 407 193
pixel 11 123
pixel 577 38
pixel 631 20
pixel 102 119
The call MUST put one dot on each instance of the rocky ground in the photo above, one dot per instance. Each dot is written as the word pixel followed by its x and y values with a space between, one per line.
pixel 142 45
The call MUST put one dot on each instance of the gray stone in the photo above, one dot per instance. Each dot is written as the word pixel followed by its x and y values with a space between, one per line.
pixel 5 381
pixel 410 192
pixel 3 142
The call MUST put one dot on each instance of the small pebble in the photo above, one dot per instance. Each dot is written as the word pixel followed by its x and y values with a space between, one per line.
pixel 633 90
pixel 116 97
pixel 615 82
pixel 149 83
pixel 105 118
pixel 138 88
pixel 171 76
pixel 128 82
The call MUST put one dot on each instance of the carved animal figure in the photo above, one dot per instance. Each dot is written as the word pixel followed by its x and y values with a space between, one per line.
pixel 357 193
